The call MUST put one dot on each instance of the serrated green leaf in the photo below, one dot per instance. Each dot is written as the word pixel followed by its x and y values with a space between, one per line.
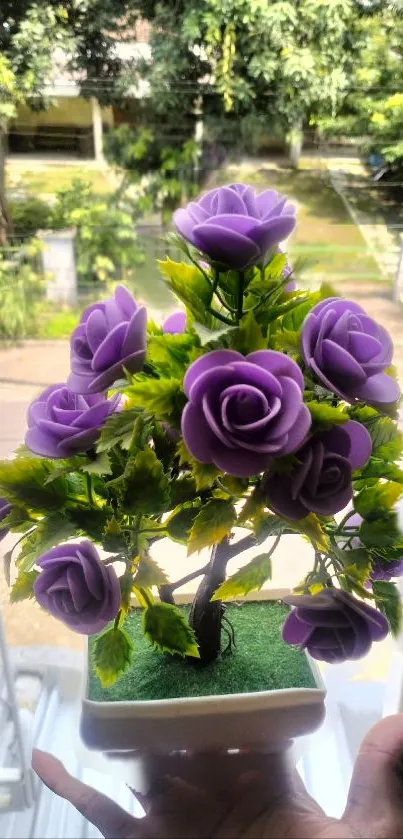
pixel 126 585
pixel 167 629
pixel 149 574
pixel 118 429
pixel 387 440
pixel 190 285
pixel 181 521
pixel 377 501
pixel 388 601
pixel 376 468
pixel 23 481
pixel 112 654
pixel 18 520
pixel 49 533
pixel 214 521
pixel 100 466
pixel 169 354
pixel 143 487
pixel 248 336
pixel 324 416
pixel 294 318
pixel 23 586
pixel 204 474
pixel 207 336
pixel 287 341
pixel 254 505
pixel 163 398
pixel 311 527
pixel 381 532
pixel 267 525
pixel 249 578
pixel 183 489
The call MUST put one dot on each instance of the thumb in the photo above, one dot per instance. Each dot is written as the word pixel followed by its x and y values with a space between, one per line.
pixel 376 791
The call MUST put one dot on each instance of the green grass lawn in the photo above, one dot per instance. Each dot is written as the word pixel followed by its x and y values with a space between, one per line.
pixel 47 179
pixel 325 235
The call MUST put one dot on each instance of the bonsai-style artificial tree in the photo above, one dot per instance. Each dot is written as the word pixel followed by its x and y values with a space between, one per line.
pixel 259 406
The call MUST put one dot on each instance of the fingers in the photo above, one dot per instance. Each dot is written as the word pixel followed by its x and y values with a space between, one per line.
pixel 376 790
pixel 107 816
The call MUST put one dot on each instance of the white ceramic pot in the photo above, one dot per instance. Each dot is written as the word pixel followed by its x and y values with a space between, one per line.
pixel 264 720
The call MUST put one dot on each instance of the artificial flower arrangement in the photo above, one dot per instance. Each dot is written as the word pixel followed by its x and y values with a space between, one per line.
pixel 259 406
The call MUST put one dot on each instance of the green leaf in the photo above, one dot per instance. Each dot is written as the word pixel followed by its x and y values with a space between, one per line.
pixel 376 468
pixel 23 586
pixel 164 398
pixel 190 285
pixel 49 533
pixel 293 320
pixel 204 474
pixel 181 520
pixel 118 428
pixel 169 354
pixel 249 578
pixel 100 466
pixel 18 520
pixel 248 336
pixel 387 440
pixel 167 629
pixel 208 336
pixel 267 525
pixel 388 601
pixel 24 481
pixel 310 527
pixel 112 655
pixel 324 416
pixel 149 574
pixel 381 532
pixel 377 501
pixel 183 489
pixel 287 341
pixel 214 521
pixel 143 487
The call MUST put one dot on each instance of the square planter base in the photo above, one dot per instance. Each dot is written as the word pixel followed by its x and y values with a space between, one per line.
pixel 260 696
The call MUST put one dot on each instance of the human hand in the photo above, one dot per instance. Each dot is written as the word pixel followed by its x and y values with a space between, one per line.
pixel 250 795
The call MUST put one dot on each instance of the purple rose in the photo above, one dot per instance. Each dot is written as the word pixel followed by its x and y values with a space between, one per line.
pixel 348 352
pixel 382 569
pixel 62 423
pixel 242 412
pixel 333 626
pixel 321 480
pixel 5 509
pixel 110 338
pixel 175 324
pixel 234 227
pixel 76 587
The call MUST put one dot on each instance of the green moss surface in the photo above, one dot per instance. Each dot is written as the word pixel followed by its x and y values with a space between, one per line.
pixel 260 661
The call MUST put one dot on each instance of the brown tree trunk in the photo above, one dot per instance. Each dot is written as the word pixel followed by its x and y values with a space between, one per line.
pixel 206 617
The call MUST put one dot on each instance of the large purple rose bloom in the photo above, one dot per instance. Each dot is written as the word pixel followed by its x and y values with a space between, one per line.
pixel 5 509
pixel 382 569
pixel 242 412
pixel 348 352
pixel 174 323
pixel 110 338
pixel 321 480
pixel 333 626
pixel 62 423
pixel 76 587
pixel 234 227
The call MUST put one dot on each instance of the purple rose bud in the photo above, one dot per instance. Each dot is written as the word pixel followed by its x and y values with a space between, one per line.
pixel 243 412
pixel 110 338
pixel 5 509
pixel 175 323
pixel 382 569
pixel 286 272
pixel 348 352
pixel 234 227
pixel 333 626
pixel 76 587
pixel 62 423
pixel 321 480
